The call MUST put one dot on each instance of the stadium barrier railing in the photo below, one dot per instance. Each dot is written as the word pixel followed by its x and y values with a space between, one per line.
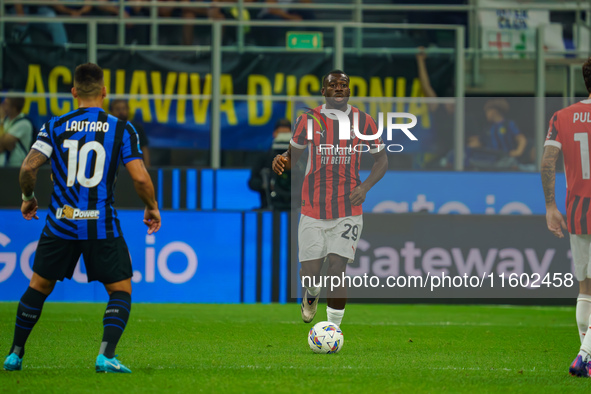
pixel 337 51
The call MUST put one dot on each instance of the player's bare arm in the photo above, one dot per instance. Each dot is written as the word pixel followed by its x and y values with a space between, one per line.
pixel 521 144
pixel 554 218
pixel 145 190
pixel 378 170
pixel 27 180
pixel 285 160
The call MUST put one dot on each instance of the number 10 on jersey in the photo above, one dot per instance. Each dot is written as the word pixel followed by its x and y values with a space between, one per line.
pixel 77 163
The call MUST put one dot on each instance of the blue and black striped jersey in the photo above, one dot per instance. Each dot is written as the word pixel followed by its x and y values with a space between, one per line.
pixel 86 147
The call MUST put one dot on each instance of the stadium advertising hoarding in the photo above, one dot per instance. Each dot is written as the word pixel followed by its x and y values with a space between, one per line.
pixel 459 256
pixel 246 124
pixel 187 261
pixel 461 193
pixel 489 193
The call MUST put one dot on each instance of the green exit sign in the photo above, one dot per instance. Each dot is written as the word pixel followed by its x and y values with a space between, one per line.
pixel 304 40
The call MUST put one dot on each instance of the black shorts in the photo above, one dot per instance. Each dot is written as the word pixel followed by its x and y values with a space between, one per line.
pixel 106 260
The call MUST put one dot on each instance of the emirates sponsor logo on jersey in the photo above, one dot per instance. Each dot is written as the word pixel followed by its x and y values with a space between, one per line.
pixel 71 213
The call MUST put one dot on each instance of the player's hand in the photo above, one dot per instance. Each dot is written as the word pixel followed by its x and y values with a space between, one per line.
pixel 555 221
pixel 357 196
pixel 29 209
pixel 152 220
pixel 514 153
pixel 421 55
pixel 280 164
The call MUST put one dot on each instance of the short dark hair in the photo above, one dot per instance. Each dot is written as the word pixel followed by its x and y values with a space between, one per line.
pixel 282 123
pixel 587 74
pixel 88 80
pixel 335 71
pixel 18 103
pixel 499 104
pixel 117 101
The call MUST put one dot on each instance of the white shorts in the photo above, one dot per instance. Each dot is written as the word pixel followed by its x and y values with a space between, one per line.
pixel 579 246
pixel 318 238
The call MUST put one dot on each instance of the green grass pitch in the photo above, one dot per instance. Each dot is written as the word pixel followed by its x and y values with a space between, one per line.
pixel 263 348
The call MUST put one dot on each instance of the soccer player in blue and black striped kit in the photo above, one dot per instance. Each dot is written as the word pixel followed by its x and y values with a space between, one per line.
pixel 85 147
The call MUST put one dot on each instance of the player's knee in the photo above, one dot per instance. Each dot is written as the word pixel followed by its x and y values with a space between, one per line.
pixel 116 290
pixel 310 269
pixel 306 271
pixel 336 265
pixel 124 286
pixel 41 284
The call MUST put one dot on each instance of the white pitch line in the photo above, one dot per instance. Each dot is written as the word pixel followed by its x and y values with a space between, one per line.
pixel 441 323
pixel 534 370
pixel 291 367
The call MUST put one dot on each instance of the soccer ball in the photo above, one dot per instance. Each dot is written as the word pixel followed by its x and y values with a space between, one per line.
pixel 325 337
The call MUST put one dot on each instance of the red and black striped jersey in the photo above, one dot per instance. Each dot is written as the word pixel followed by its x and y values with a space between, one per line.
pixel 570 131
pixel 332 171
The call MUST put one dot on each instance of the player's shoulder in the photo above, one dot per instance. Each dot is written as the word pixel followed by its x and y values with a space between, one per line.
pixel 136 125
pixel 316 111
pixel 568 112
pixel 79 114
pixel 354 109
pixel 56 121
pixel 361 114
pixel 115 120
pixel 306 114
pixel 118 123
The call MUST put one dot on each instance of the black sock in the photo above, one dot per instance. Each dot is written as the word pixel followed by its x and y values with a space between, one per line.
pixel 114 321
pixel 27 314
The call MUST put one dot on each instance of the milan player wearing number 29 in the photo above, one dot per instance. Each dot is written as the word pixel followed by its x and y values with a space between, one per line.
pixel 85 147
pixel 570 131
pixel 332 193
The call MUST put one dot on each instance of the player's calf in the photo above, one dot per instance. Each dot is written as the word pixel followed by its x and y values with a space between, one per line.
pixel 583 312
pixel 114 322
pixel 27 314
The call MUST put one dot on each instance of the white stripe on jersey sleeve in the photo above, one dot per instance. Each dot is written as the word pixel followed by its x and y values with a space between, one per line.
pixel 553 143
pixel 43 147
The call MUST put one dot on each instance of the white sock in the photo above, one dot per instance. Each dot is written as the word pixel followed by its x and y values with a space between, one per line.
pixel 586 346
pixel 335 315
pixel 583 312
pixel 314 291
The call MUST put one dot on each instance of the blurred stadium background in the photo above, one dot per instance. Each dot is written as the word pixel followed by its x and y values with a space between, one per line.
pixel 209 80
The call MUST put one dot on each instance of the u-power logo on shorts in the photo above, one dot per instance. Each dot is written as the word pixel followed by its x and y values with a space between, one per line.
pixel 348 131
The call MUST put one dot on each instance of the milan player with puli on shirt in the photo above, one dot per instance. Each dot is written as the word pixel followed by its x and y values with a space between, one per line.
pixel 332 193
pixel 570 132
pixel 85 147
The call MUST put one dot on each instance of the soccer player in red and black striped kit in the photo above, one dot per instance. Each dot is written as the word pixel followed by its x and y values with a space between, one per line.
pixel 570 132
pixel 332 193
